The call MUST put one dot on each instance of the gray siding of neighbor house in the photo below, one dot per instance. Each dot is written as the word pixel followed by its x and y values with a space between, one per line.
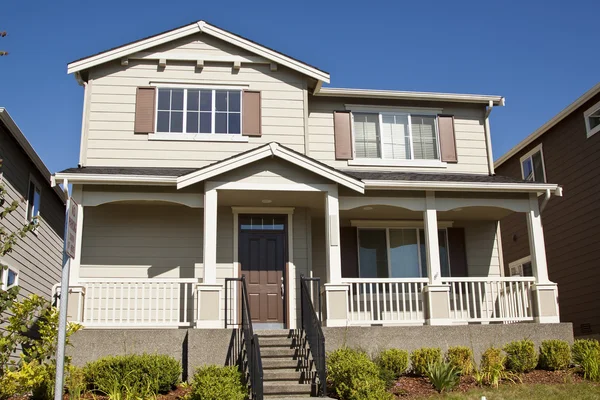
pixel 571 223
pixel 38 256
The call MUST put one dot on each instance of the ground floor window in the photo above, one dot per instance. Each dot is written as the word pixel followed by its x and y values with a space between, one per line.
pixel 397 253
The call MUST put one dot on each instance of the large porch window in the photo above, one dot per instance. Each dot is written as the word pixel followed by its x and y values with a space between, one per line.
pixel 397 253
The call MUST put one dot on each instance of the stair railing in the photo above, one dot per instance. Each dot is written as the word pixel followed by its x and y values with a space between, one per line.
pixel 249 359
pixel 311 328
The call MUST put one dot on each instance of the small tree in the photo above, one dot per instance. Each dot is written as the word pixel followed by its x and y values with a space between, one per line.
pixel 3 53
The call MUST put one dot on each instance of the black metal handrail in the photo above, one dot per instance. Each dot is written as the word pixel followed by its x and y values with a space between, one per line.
pixel 312 331
pixel 249 359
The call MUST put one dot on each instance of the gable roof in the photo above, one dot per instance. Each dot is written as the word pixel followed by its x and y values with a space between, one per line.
pixel 549 125
pixel 190 29
pixel 272 149
pixel 16 133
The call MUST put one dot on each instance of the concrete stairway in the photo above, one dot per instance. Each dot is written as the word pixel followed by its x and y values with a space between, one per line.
pixel 284 375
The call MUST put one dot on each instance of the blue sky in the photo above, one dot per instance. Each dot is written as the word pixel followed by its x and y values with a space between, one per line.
pixel 539 55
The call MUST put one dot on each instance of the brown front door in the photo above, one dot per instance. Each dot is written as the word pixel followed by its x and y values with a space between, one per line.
pixel 262 255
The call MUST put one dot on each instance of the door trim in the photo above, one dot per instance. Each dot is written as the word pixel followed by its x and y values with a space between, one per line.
pixel 290 272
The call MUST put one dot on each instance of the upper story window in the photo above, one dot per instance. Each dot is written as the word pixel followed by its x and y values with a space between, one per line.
pixel 9 277
pixel 532 165
pixel 592 119
pixel 395 136
pixel 34 198
pixel 207 111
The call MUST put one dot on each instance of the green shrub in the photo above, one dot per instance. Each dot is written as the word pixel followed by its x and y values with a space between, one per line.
pixel 461 358
pixel 555 355
pixel 521 356
pixel 582 347
pixel 492 368
pixel 75 382
pixel 133 374
pixel 218 383
pixel 392 364
pixel 421 358
pixel 354 376
pixel 443 376
pixel 589 362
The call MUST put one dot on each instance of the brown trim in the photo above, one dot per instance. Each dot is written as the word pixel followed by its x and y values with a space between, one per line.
pixel 447 138
pixel 251 113
pixel 145 101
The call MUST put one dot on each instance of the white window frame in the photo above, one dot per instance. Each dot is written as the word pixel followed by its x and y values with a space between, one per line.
pixel 36 183
pixel 206 137
pixel 392 111
pixel 4 277
pixel 388 249
pixel 530 154
pixel 518 263
pixel 586 115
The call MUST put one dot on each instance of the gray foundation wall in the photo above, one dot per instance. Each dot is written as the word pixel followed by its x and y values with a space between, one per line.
pixel 197 347
pixel 478 337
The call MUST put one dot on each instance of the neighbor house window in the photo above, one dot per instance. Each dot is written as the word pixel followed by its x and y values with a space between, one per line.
pixel 592 119
pixel 205 111
pixel 532 165
pixel 395 136
pixel 397 253
pixel 521 267
pixel 9 277
pixel 34 197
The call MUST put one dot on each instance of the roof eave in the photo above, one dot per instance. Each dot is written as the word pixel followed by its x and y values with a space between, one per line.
pixel 404 95
pixel 105 179
pixel 371 184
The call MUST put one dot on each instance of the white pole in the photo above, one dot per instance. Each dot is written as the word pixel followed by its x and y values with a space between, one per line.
pixel 62 315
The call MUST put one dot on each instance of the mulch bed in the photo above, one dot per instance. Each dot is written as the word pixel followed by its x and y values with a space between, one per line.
pixel 413 387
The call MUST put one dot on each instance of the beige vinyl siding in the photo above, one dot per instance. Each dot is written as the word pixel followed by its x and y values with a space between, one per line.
pixel 482 248
pixel 469 132
pixel 272 171
pixel 38 256
pixel 110 137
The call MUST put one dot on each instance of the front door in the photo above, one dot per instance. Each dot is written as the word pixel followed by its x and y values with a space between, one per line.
pixel 263 255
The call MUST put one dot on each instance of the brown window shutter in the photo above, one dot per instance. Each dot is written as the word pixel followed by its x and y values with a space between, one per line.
pixel 144 109
pixel 342 128
pixel 447 138
pixel 458 252
pixel 349 251
pixel 251 115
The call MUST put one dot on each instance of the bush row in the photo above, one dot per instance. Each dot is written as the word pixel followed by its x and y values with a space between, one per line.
pixel 355 376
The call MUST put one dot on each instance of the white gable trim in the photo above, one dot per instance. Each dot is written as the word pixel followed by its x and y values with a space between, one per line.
pixel 197 27
pixel 272 149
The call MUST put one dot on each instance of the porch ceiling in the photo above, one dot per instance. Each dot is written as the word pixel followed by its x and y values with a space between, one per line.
pixel 313 200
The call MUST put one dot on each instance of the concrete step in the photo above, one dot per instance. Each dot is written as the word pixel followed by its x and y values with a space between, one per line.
pixel 288 375
pixel 273 333
pixel 277 352
pixel 286 388
pixel 276 341
pixel 280 363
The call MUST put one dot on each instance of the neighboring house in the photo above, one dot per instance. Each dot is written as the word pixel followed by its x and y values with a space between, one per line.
pixel 206 156
pixel 566 150
pixel 35 262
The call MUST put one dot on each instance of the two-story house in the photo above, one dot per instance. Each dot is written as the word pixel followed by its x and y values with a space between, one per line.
pixel 206 157
pixel 34 264
pixel 565 149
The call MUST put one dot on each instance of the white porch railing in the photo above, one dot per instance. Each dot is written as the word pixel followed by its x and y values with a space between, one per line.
pixel 490 299
pixel 138 303
pixel 386 301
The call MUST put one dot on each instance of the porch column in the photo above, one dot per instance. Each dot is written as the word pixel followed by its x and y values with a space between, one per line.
pixel 332 236
pixel 544 293
pixel 210 237
pixel 436 295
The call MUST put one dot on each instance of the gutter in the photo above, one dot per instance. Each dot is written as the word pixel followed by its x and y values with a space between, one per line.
pixel 100 179
pixel 463 186
pixel 558 193
pixel 488 136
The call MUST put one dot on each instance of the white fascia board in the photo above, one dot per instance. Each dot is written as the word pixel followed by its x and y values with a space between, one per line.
pixel 100 179
pixel 549 125
pixel 190 29
pixel 460 186
pixel 321 170
pixel 264 52
pixel 272 149
pixel 132 48
pixel 404 95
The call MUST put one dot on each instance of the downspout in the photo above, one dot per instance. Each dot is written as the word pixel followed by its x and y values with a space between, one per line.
pixel 488 137
pixel 558 193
